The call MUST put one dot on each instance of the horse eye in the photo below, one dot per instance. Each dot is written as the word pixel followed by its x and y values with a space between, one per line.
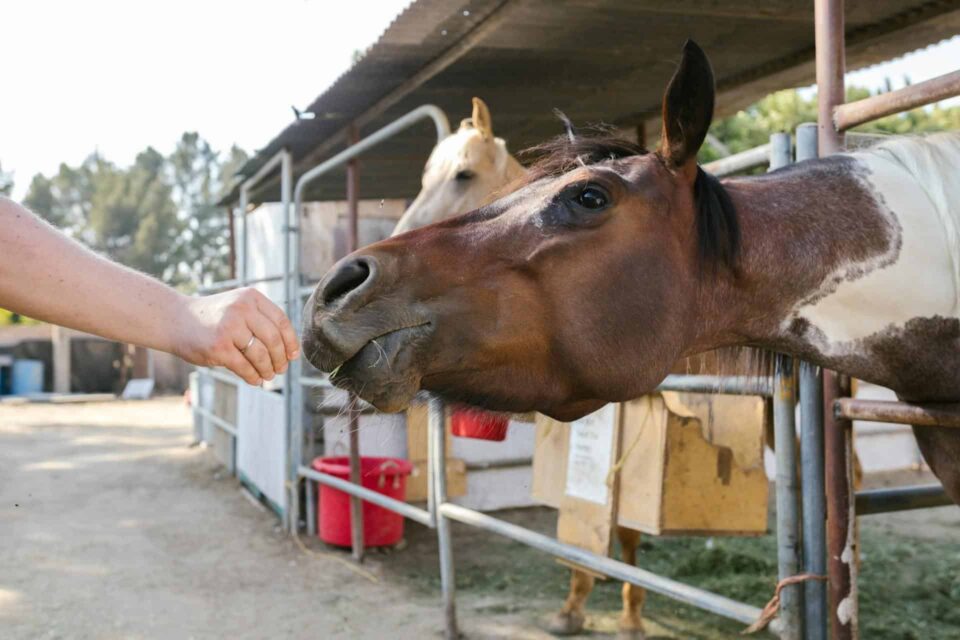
pixel 465 175
pixel 592 198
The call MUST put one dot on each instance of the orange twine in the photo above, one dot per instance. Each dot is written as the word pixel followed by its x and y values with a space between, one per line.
pixel 770 610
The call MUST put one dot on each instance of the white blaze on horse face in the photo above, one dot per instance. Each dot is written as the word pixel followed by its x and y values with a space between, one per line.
pixel 917 184
pixel 484 166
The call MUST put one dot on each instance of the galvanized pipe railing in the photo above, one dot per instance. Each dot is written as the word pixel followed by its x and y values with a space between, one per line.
pixel 297 292
pixel 849 115
pixel 901 499
pixel 927 415
pixel 673 589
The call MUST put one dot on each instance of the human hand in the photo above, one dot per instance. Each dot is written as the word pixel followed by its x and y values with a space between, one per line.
pixel 241 330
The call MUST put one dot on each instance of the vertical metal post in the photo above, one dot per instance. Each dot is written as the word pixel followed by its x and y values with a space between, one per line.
pixel 436 426
pixel 787 487
pixel 841 515
pixel 781 152
pixel 831 65
pixel 243 236
pixel 232 231
pixel 807 141
pixel 814 514
pixel 356 504
pixel 292 496
pixel 785 434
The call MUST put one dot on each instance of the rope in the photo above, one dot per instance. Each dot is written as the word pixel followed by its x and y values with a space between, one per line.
pixel 770 610
pixel 327 555
pixel 618 465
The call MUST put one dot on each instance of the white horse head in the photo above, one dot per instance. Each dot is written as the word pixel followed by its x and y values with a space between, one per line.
pixel 464 169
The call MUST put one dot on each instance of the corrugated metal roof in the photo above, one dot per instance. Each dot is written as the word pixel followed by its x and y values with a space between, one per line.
pixel 597 60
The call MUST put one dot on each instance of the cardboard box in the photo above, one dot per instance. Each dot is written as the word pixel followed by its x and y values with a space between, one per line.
pixel 687 464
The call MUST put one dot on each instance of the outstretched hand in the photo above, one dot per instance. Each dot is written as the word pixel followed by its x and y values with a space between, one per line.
pixel 241 330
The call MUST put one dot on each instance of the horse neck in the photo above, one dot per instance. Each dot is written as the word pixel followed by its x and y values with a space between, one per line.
pixel 804 230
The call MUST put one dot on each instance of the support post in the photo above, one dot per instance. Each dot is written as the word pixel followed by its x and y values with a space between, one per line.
pixel 831 65
pixel 356 504
pixel 60 337
pixel 814 513
pixel 807 142
pixel 788 490
pixel 781 151
pixel 841 516
pixel 435 426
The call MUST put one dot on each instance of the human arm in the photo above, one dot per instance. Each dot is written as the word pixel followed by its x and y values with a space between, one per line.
pixel 46 275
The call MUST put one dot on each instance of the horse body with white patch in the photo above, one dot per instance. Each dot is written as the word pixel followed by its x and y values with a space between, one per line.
pixel 609 264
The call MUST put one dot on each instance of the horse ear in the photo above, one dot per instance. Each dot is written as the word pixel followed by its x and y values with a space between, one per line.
pixel 687 109
pixel 481 119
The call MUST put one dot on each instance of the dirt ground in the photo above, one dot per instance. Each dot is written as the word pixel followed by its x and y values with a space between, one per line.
pixel 112 526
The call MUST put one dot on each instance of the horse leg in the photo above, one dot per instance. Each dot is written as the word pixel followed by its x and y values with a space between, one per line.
pixel 940 447
pixel 631 619
pixel 569 620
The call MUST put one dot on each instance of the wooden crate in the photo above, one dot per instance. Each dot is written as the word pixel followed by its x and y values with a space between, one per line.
pixel 417 454
pixel 688 464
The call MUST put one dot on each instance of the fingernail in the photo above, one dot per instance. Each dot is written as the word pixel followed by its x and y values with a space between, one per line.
pixel 295 354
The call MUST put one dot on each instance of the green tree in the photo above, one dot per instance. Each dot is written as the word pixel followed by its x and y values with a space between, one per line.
pixel 64 200
pixel 199 180
pixel 133 218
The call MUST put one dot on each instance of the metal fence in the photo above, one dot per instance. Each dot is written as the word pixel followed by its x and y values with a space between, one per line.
pixel 823 471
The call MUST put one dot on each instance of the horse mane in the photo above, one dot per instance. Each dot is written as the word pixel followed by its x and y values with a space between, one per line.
pixel 717 227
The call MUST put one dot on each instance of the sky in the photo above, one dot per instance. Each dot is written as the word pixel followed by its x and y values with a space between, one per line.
pixel 117 76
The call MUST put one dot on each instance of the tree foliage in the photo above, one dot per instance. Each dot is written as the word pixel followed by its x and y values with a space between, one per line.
pixel 158 215
pixel 784 110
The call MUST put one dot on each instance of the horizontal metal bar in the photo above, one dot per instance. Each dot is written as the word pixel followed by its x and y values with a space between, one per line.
pixel 226 285
pixel 404 509
pixel 306 290
pixel 507 463
pixel 426 111
pixel 724 385
pixel 927 415
pixel 847 116
pixel 229 378
pixel 217 420
pixel 314 381
pixel 901 499
pixel 756 157
pixel 699 598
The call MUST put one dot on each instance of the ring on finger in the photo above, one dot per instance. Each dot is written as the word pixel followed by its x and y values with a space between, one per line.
pixel 249 344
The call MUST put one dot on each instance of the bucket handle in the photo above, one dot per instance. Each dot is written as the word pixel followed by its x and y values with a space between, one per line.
pixel 382 480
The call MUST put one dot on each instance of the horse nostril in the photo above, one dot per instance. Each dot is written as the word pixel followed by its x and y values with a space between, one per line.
pixel 347 278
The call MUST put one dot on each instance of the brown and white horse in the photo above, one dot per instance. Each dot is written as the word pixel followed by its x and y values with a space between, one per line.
pixel 609 264
pixel 464 170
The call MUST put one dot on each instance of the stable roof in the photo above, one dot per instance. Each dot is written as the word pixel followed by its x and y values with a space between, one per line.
pixel 596 60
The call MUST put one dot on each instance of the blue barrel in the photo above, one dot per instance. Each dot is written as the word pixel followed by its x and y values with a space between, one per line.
pixel 27 377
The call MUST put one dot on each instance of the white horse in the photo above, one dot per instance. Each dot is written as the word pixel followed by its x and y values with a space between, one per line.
pixel 464 170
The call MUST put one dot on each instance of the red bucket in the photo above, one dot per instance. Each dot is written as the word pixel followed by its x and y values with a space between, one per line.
pixel 381 527
pixel 468 422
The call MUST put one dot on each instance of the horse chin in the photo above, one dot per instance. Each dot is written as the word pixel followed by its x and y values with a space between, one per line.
pixel 384 372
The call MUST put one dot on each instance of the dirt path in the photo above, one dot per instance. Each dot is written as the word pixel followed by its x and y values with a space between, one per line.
pixel 109 530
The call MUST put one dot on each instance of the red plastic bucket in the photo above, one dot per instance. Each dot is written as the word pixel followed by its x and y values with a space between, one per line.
pixel 468 422
pixel 380 527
